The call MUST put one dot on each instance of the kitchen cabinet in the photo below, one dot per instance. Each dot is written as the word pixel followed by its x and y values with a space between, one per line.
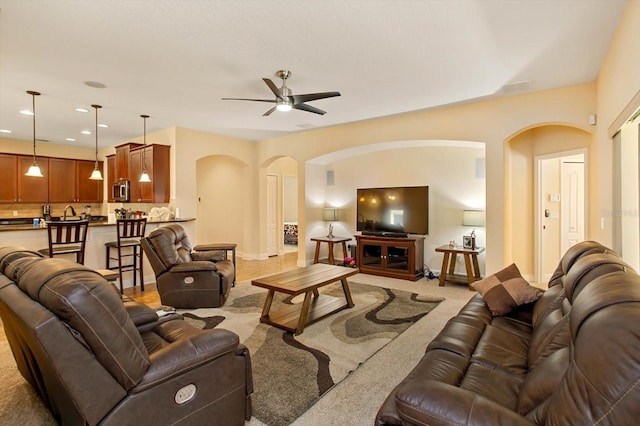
pixel 9 178
pixel 111 176
pixel 33 189
pixel 391 257
pixel 87 190
pixel 123 157
pixel 156 159
pixel 69 181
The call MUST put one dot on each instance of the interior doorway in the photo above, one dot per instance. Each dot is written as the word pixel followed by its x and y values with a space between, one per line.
pixel 559 208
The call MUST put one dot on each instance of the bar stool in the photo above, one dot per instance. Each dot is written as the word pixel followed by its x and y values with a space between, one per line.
pixel 67 237
pixel 127 246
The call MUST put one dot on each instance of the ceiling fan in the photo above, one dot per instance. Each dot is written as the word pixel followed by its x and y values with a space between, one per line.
pixel 285 100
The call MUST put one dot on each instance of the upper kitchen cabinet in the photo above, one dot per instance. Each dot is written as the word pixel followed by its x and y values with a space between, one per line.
pixel 156 161
pixel 33 189
pixel 69 181
pixel 123 157
pixel 9 178
pixel 87 190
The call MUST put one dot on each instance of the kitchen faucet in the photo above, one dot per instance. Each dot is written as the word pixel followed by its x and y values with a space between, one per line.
pixel 64 214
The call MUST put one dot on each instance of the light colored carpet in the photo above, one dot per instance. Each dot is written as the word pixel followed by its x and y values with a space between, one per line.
pixel 290 373
pixel 354 401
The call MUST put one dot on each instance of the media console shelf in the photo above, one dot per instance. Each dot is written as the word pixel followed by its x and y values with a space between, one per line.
pixel 390 256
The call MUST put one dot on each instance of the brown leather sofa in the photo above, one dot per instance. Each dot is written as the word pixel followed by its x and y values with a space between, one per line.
pixel 184 278
pixel 570 358
pixel 96 359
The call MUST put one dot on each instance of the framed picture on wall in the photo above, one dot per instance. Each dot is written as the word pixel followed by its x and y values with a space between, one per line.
pixel 466 241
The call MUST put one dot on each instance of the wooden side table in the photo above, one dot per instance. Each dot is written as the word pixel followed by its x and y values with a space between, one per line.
pixel 330 241
pixel 449 262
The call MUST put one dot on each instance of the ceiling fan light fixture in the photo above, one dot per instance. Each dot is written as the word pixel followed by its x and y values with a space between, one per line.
pixel 284 105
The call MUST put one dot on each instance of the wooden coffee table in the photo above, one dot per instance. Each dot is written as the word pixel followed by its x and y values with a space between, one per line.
pixel 315 306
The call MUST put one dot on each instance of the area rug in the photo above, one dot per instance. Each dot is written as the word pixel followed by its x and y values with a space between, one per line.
pixel 291 373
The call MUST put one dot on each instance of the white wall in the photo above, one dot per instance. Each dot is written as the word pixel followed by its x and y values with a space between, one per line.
pixel 450 173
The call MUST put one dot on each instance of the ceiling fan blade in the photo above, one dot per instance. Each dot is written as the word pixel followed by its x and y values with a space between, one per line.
pixel 309 108
pixel 244 99
pixel 313 96
pixel 269 112
pixel 273 88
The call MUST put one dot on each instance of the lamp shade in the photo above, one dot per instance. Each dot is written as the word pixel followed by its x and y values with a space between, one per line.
pixel 473 218
pixel 330 214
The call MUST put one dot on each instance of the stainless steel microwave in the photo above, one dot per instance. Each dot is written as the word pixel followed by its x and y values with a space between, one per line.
pixel 120 191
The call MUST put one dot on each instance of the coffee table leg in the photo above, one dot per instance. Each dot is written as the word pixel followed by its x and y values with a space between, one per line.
pixel 304 311
pixel 267 304
pixel 347 292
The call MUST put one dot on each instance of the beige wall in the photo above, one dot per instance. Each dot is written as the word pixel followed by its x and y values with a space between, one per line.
pixel 492 122
pixel 618 94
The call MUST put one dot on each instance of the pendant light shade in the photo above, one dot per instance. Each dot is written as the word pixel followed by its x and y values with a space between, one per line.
pixel 96 174
pixel 34 170
pixel 144 177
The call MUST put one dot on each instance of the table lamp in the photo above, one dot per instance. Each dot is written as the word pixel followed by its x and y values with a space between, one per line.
pixel 330 214
pixel 473 218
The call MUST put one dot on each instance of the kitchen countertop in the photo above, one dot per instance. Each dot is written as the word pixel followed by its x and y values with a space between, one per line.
pixel 95 223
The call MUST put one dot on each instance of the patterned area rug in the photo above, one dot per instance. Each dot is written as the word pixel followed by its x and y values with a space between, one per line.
pixel 290 373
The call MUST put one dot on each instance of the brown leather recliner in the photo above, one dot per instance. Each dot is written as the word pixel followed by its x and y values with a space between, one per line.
pixel 94 359
pixel 184 278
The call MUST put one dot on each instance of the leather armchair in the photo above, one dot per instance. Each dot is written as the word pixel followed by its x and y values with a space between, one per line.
pixel 187 278
pixel 96 359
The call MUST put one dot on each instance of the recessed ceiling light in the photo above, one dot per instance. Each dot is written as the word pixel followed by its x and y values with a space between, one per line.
pixel 95 84
pixel 103 125
pixel 5 131
pixel 80 109
pixel 70 139
pixel 26 112
pixel 85 132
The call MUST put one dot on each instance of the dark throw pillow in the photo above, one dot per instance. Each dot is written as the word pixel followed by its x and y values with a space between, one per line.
pixel 506 290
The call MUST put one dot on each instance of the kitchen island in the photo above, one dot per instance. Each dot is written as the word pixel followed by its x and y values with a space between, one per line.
pixel 100 232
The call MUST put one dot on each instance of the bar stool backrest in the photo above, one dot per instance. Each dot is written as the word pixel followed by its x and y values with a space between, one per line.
pixel 131 228
pixel 68 237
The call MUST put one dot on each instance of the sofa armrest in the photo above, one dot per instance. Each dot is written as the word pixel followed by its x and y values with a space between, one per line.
pixel 195 266
pixel 186 354
pixel 429 402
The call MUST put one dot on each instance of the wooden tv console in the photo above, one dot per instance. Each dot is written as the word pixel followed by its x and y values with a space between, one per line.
pixel 391 256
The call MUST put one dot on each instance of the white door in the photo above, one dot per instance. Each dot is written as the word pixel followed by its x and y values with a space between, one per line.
pixel 272 215
pixel 560 209
pixel 572 195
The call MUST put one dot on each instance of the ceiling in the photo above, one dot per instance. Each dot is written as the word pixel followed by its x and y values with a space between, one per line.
pixel 175 60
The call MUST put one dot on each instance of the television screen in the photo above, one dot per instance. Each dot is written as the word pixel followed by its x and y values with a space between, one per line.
pixel 399 209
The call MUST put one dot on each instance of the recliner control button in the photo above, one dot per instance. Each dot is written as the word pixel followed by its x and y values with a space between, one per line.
pixel 185 394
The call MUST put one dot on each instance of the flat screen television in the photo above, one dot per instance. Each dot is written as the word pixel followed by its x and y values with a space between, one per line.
pixel 397 209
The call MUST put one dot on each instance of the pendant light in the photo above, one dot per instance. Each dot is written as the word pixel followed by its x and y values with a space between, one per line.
pixel 96 174
pixel 144 177
pixel 34 170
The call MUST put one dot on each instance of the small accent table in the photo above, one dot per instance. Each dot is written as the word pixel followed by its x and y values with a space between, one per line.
pixel 449 260
pixel 330 241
